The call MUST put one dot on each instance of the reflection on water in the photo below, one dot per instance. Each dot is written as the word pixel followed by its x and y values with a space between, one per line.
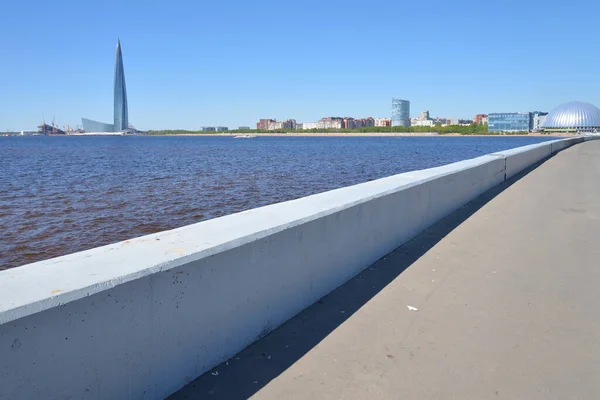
pixel 59 195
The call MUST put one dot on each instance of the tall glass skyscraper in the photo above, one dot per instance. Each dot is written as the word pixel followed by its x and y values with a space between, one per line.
pixel 121 119
pixel 400 113
pixel 121 115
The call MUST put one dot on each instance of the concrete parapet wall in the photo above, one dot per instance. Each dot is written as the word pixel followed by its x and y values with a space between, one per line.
pixel 559 145
pixel 522 157
pixel 141 318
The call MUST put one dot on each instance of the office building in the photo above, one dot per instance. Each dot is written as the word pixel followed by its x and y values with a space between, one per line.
pixel 120 109
pixel 400 113
pixel 509 122
pixel 537 121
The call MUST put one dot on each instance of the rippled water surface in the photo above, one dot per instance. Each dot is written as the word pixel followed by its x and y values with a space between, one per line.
pixel 59 195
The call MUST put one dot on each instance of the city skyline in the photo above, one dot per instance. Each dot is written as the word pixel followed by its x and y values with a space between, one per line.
pixel 463 59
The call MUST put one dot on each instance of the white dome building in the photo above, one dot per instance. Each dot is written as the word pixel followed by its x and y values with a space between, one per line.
pixel 575 116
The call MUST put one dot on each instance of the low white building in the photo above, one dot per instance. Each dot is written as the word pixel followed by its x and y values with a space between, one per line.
pixel 422 122
pixel 329 124
pixel 309 125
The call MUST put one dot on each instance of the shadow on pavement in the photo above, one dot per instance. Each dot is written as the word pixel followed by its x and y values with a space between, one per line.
pixel 255 366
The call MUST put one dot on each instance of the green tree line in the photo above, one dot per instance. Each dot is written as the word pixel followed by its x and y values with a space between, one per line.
pixel 473 129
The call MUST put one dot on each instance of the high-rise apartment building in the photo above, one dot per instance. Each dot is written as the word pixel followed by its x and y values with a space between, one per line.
pixel 400 113
pixel 264 123
pixel 383 122
pixel 271 124
pixel 481 119
pixel 330 123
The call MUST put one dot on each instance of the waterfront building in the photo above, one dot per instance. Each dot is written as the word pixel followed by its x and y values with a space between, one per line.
pixel 221 128
pixel 575 116
pixel 309 125
pixel 509 122
pixel 400 113
pixel 289 124
pixel 422 122
pixel 442 121
pixel 120 107
pixel 481 119
pixel 537 120
pixel 330 123
pixel 263 123
pixel 272 124
pixel 208 129
pixel 382 122
pixel 244 128
pixel 275 125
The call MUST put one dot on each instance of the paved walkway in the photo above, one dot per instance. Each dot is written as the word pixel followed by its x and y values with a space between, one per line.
pixel 508 297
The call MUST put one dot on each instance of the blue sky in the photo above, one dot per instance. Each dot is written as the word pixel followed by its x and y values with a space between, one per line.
pixel 194 63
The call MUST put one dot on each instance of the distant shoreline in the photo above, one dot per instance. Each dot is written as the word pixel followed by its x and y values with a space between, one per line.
pixel 330 134
pixel 362 134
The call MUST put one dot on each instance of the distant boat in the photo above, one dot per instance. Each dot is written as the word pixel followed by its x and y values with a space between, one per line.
pixel 244 137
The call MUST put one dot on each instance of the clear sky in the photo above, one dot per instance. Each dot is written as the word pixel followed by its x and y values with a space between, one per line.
pixel 219 62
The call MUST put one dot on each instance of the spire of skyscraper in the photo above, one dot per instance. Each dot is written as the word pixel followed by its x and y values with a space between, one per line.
pixel 121 117
pixel 121 114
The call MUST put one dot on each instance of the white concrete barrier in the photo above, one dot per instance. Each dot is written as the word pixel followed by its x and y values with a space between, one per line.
pixel 523 157
pixel 141 318
pixel 558 145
